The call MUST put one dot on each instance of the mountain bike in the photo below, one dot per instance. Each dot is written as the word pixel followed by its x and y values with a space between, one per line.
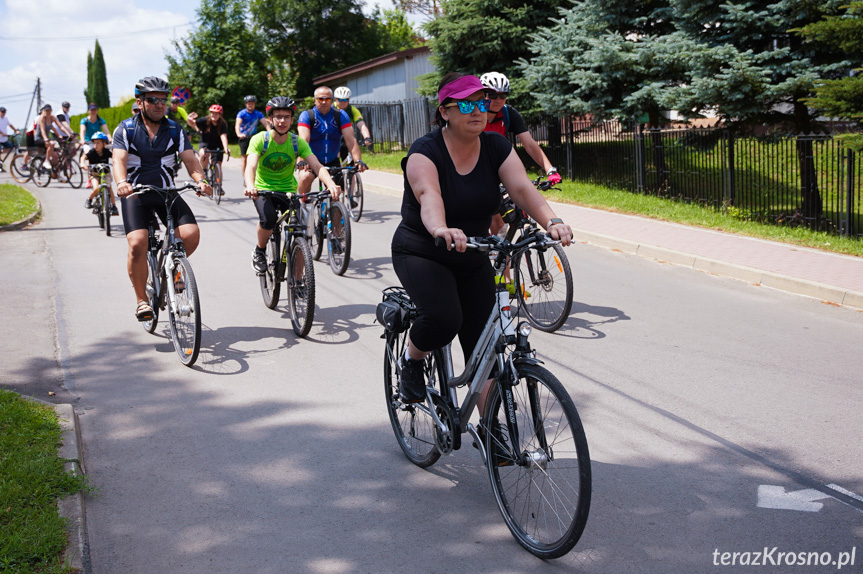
pixel 102 202
pixel 331 219
pixel 349 179
pixel 214 173
pixel 543 278
pixel 530 436
pixel 18 168
pixel 6 153
pixel 166 259
pixel 290 261
pixel 65 169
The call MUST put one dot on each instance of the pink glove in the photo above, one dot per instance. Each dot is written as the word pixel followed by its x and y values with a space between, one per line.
pixel 555 178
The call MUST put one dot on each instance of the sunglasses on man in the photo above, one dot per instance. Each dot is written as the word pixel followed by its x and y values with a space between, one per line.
pixel 155 101
pixel 467 106
pixel 323 100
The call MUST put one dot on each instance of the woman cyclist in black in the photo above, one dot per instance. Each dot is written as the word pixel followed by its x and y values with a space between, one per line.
pixel 452 178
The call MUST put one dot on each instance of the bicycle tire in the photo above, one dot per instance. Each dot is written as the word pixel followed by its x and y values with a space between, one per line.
pixel 271 285
pixel 301 286
pixel 153 279
pixel 412 424
pixel 40 174
pixel 217 183
pixel 545 502
pixel 100 210
pixel 73 174
pixel 315 232
pixel 543 284
pixel 339 238
pixel 185 319
pixel 355 195
pixel 106 208
pixel 16 169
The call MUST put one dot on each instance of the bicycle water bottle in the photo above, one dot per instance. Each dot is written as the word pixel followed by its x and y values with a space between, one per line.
pixel 505 311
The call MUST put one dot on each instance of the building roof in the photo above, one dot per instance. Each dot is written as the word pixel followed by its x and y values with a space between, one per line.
pixel 370 64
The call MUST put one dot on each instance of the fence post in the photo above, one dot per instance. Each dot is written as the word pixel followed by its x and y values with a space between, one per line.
pixel 850 227
pixel 731 188
pixel 639 158
pixel 569 143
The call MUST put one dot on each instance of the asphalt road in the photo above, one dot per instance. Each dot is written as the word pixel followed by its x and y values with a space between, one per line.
pixel 702 398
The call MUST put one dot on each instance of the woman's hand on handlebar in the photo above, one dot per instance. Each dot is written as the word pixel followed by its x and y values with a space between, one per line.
pixel 251 192
pixel 204 187
pixel 561 232
pixel 452 237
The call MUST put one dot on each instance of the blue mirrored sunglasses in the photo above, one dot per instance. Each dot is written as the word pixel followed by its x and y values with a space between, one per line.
pixel 467 106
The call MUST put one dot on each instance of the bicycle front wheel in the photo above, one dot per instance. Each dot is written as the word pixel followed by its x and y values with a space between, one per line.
pixel 339 238
pixel 100 211
pixel 185 317
pixel 72 173
pixel 271 279
pixel 544 286
pixel 18 168
pixel 315 231
pixel 301 286
pixel 545 498
pixel 41 175
pixel 355 196
pixel 412 423
pixel 106 208
pixel 217 183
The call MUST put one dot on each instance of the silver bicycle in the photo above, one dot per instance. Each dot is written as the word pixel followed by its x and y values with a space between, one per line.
pixel 530 436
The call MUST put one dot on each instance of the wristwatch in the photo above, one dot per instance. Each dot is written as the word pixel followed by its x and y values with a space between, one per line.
pixel 553 221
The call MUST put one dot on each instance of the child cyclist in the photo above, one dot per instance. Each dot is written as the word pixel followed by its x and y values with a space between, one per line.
pixel 100 154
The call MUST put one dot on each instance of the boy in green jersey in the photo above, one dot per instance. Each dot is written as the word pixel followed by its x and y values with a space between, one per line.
pixel 271 161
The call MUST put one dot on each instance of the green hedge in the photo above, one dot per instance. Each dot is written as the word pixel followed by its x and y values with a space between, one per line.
pixel 113 116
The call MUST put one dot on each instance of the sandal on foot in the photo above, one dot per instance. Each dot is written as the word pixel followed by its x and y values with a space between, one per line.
pixel 144 312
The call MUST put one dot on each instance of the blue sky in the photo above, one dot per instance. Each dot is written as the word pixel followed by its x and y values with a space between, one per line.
pixel 50 39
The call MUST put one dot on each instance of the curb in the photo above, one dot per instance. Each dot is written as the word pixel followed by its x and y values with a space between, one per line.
pixel 820 291
pixel 24 222
pixel 77 553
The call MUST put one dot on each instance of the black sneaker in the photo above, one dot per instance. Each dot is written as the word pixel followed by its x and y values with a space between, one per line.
pixel 259 261
pixel 114 210
pixel 88 204
pixel 412 384
pixel 354 202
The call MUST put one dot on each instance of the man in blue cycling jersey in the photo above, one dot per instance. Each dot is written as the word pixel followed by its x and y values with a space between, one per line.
pixel 246 125
pixel 324 131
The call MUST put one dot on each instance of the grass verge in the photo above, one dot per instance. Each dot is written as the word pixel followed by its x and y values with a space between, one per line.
pixel 620 201
pixel 32 480
pixel 16 203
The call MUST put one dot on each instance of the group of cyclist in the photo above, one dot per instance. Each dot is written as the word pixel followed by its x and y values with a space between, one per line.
pixel 451 188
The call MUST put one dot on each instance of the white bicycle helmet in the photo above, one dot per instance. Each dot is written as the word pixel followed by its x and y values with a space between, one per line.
pixel 342 93
pixel 495 81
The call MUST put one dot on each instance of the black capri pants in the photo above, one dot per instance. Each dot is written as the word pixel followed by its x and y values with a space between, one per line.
pixel 454 294
pixel 267 214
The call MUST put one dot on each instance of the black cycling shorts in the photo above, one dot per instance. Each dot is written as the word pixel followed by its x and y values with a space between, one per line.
pixel 137 211
pixel 244 145
pixel 267 206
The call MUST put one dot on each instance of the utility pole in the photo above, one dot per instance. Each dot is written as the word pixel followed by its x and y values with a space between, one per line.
pixel 30 109
pixel 39 94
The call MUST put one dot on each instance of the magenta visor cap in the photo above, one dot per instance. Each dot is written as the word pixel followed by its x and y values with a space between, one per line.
pixel 461 88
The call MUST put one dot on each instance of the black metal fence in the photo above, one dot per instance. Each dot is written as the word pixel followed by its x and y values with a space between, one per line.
pixel 789 179
pixel 797 179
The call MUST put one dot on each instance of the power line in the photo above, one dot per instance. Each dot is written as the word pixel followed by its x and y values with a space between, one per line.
pixel 15 95
pixel 85 38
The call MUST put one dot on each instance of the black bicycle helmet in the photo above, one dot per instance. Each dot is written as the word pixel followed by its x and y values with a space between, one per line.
pixel 151 84
pixel 248 99
pixel 66 105
pixel 281 103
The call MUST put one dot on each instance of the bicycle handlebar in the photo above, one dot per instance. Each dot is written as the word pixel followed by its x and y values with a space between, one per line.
pixel 100 168
pixel 495 243
pixel 141 188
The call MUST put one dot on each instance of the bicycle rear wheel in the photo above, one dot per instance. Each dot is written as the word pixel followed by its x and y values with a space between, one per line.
pixel 185 318
pixel 18 168
pixel 72 173
pixel 271 279
pixel 153 282
pixel 301 286
pixel 412 423
pixel 41 175
pixel 217 183
pixel 543 284
pixel 545 500
pixel 339 238
pixel 355 196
